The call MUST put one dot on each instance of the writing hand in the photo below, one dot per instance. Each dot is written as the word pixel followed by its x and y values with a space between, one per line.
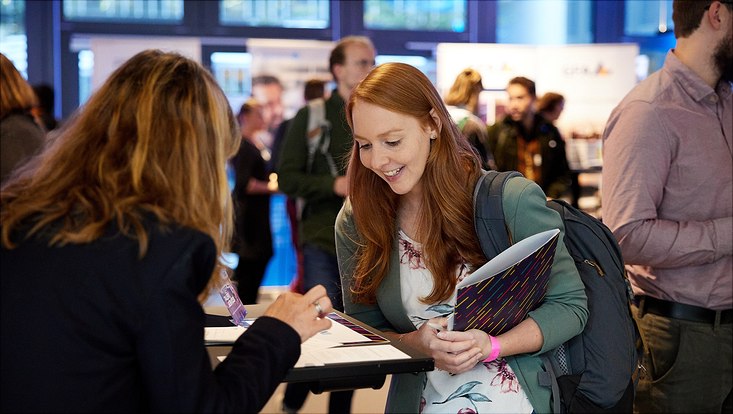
pixel 304 313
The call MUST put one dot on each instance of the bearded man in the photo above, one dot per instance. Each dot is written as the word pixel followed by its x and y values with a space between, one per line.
pixel 668 197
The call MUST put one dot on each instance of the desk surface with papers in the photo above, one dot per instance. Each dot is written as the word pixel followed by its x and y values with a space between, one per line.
pixel 349 355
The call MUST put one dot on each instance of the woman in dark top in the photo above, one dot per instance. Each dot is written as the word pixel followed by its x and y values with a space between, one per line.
pixel 111 238
pixel 252 233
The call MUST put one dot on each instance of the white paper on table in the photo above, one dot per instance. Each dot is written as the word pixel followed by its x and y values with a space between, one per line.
pixel 337 334
pixel 320 357
pixel 324 347
pixel 223 333
pixel 315 357
pixel 316 343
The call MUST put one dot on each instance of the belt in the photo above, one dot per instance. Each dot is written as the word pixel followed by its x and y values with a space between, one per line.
pixel 676 310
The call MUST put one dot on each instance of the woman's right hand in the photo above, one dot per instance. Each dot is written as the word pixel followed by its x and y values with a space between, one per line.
pixel 456 356
pixel 304 313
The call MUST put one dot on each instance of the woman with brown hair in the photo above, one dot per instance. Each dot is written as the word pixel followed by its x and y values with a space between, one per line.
pixel 551 105
pixel 21 134
pixel 406 236
pixel 112 238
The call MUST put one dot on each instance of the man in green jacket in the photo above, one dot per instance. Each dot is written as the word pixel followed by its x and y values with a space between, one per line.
pixel 321 184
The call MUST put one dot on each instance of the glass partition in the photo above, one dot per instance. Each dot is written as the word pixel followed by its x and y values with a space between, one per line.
pixel 544 21
pixel 434 15
pixel 13 41
pixel 301 14
pixel 647 17
pixel 233 72
pixel 138 11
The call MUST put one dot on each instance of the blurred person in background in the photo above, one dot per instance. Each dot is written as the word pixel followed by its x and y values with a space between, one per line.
pixel 550 106
pixel 111 241
pixel 21 133
pixel 313 89
pixel 44 110
pixel 252 190
pixel 268 90
pixel 322 185
pixel 462 103
pixel 525 141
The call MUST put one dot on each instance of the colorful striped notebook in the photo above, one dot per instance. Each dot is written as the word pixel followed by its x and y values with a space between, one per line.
pixel 499 294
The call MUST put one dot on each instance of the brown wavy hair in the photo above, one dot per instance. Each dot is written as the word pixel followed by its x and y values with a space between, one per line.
pixel 154 139
pixel 549 101
pixel 445 224
pixel 16 95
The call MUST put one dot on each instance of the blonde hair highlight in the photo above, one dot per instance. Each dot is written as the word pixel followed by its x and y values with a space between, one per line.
pixel 465 90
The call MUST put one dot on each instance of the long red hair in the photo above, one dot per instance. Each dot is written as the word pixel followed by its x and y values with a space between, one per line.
pixel 445 225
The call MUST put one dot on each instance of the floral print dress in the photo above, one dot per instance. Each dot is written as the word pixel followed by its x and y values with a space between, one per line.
pixel 490 387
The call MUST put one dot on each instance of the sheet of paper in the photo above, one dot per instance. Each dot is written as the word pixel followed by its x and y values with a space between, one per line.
pixel 222 334
pixel 316 342
pixel 341 334
pixel 319 357
pixel 338 344
pixel 337 334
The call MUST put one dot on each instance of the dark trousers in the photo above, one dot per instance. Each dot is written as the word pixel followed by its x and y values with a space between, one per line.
pixel 689 366
pixel 320 267
pixel 249 275
pixel 339 402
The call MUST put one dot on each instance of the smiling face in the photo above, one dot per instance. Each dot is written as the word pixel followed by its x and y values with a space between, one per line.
pixel 394 146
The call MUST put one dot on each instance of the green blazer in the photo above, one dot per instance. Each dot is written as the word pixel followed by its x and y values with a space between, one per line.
pixel 561 316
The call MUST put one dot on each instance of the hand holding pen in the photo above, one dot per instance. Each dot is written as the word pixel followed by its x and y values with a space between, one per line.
pixel 304 313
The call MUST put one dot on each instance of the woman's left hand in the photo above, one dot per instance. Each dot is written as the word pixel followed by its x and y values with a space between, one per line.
pixel 480 338
pixel 456 352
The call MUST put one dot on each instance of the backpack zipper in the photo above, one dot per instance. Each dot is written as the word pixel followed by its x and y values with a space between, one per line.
pixel 595 266
pixel 600 237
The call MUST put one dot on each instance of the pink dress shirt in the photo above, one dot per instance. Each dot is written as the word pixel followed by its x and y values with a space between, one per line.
pixel 667 186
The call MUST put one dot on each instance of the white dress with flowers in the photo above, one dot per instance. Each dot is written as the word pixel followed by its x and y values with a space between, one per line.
pixel 489 387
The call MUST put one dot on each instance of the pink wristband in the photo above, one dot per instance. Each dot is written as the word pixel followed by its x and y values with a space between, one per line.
pixel 495 349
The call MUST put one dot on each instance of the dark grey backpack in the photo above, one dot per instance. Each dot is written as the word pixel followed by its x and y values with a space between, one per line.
pixel 592 372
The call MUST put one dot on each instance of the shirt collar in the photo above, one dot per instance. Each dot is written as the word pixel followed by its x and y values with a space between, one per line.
pixel 691 82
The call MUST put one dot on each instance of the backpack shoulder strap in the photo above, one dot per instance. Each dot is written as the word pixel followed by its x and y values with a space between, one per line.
pixel 316 117
pixel 549 379
pixel 319 134
pixel 489 220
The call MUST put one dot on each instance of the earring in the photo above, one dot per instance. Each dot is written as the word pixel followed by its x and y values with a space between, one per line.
pixel 433 136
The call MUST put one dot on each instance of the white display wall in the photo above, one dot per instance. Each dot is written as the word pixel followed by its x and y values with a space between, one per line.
pixel 293 62
pixel 112 51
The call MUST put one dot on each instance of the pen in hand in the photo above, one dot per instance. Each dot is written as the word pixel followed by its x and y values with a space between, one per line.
pixel 440 327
